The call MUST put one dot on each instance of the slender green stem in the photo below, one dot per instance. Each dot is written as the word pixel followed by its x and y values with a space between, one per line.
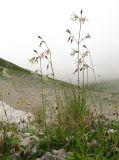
pixel 93 68
pixel 78 59
pixel 87 77
pixel 83 74
pixel 42 90
pixel 56 95
pixel 53 75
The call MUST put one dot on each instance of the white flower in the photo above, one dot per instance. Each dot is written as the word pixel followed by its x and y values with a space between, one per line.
pixel 73 52
pixel 111 131
pixel 85 54
pixel 34 60
pixel 82 19
pixel 74 17
pixel 47 51
pixel 88 36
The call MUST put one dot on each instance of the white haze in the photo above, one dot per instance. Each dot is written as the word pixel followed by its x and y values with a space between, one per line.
pixel 22 20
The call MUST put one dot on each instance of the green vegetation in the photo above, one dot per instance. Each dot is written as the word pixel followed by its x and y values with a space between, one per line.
pixel 13 69
pixel 77 123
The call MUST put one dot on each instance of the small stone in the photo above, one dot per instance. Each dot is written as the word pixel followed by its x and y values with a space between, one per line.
pixel 34 149
pixel 25 141
pixel 48 156
pixel 61 155
pixel 55 152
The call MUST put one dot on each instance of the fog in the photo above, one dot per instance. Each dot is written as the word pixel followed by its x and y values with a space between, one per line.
pixel 21 21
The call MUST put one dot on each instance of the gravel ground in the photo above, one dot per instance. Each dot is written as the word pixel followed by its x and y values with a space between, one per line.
pixel 25 94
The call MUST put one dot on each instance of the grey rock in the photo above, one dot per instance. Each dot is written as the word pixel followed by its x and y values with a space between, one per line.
pixel 61 155
pixel 55 152
pixel 25 141
pixel 48 156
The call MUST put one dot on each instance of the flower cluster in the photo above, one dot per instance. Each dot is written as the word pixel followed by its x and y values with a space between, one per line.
pixel 40 56
pixel 80 18
pixel 80 55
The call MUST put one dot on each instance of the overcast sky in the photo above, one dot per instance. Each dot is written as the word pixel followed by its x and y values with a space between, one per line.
pixel 22 20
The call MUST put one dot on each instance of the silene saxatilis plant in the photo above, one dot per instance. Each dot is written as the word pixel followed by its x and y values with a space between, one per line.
pixel 81 54
pixel 41 56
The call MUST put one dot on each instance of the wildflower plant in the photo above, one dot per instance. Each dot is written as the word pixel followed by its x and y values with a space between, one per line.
pixel 46 55
pixel 77 105
pixel 77 52
pixel 37 59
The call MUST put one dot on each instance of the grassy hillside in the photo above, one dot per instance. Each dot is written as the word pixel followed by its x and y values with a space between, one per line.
pixel 105 93
pixel 19 72
pixel 23 89
pixel 13 68
pixel 110 86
